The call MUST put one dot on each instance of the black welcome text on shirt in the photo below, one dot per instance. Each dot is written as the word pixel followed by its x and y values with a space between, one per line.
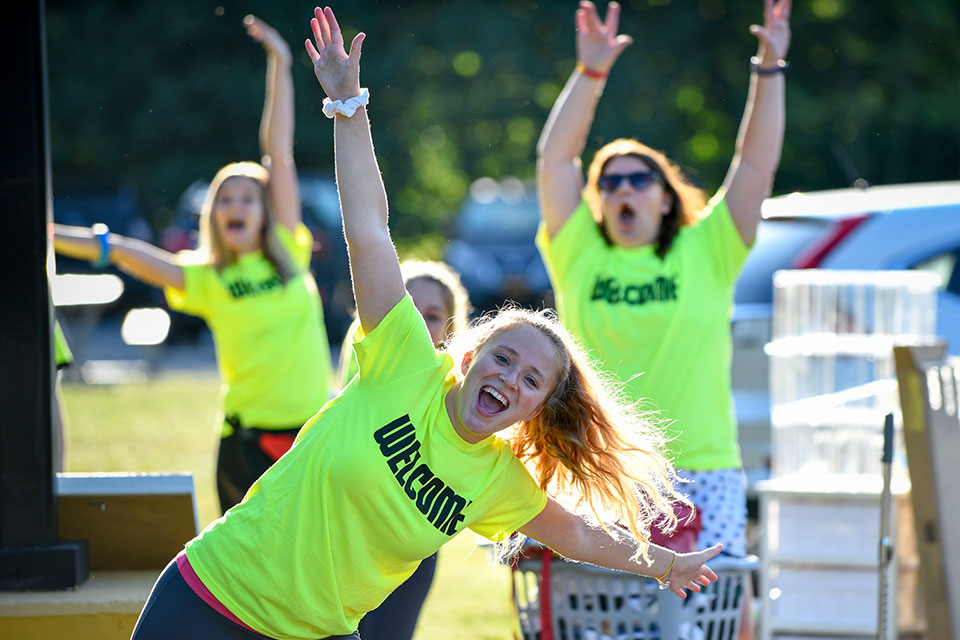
pixel 434 499
pixel 241 288
pixel 611 291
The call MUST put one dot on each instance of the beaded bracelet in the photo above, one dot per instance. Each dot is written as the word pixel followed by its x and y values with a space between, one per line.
pixel 781 66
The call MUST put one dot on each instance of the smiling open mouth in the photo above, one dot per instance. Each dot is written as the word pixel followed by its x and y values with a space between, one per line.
pixel 236 225
pixel 491 401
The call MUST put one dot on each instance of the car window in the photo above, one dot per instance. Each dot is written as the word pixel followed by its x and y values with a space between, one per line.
pixel 778 242
pixel 945 266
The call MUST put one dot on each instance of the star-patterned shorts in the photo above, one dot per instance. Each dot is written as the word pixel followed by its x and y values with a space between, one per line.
pixel 720 496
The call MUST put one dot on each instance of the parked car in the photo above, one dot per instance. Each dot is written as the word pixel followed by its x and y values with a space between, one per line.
pixel 328 263
pixel 119 208
pixel 492 246
pixel 895 227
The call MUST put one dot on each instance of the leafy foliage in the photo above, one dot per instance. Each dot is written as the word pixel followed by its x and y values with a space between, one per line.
pixel 159 94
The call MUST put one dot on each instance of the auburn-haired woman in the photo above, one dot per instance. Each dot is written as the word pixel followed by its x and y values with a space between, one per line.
pixel 644 267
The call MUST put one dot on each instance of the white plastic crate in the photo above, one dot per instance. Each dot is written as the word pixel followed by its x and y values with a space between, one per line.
pixel 854 304
pixel 820 573
pixel 831 364
pixel 592 603
pixel 837 599
pixel 830 529
pixel 819 636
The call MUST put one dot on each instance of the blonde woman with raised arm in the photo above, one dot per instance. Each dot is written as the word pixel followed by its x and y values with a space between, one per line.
pixel 250 281
pixel 412 452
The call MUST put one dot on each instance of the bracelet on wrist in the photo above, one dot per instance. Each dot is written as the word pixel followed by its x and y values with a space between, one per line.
pixel 780 67
pixel 348 107
pixel 664 580
pixel 590 73
pixel 101 234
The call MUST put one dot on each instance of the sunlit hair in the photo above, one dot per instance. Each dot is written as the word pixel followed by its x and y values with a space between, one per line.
pixel 688 200
pixel 210 244
pixel 455 297
pixel 588 448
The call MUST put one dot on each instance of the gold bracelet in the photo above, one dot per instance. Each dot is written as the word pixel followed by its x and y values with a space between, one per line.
pixel 665 584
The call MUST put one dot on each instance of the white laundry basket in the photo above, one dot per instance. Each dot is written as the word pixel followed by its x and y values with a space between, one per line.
pixel 593 603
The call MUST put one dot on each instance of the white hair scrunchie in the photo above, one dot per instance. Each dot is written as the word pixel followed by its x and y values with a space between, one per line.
pixel 346 107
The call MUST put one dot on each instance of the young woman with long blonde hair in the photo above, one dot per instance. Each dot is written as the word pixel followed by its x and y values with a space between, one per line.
pixel 443 303
pixel 249 279
pixel 409 454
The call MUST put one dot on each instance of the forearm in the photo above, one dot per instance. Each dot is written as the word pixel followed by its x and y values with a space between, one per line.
pixel 140 259
pixel 565 134
pixel 363 200
pixel 277 121
pixel 615 549
pixel 75 242
pixel 276 139
pixel 560 178
pixel 760 139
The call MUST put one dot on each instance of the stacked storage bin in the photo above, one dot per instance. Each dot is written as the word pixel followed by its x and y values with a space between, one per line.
pixel 832 381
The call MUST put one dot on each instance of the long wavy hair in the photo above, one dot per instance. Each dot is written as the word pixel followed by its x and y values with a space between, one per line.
pixel 589 448
pixel 210 244
pixel 454 294
pixel 688 200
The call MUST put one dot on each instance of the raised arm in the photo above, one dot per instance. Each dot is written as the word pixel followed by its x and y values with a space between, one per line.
pixel 276 124
pixel 570 536
pixel 140 259
pixel 760 139
pixel 559 174
pixel 377 283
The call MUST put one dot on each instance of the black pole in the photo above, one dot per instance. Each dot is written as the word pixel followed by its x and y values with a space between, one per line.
pixel 31 557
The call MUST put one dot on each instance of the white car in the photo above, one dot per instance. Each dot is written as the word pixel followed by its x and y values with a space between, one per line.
pixel 895 227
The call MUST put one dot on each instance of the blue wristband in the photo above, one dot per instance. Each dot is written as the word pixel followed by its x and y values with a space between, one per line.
pixel 100 232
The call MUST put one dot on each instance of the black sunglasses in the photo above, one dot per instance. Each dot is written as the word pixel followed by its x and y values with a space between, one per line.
pixel 638 180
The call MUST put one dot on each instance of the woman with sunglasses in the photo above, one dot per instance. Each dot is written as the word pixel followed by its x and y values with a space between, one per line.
pixel 644 267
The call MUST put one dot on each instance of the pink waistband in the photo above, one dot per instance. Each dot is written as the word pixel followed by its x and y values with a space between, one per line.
pixel 196 585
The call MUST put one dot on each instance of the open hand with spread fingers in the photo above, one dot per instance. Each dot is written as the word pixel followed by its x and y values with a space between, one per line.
pixel 690 571
pixel 774 35
pixel 269 37
pixel 337 71
pixel 598 45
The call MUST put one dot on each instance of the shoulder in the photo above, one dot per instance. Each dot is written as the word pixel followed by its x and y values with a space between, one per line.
pixel 578 238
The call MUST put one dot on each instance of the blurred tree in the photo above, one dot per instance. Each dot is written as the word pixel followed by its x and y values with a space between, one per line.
pixel 159 94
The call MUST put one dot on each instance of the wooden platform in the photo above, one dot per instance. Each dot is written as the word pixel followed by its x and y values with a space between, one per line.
pixel 135 524
pixel 105 607
pixel 132 521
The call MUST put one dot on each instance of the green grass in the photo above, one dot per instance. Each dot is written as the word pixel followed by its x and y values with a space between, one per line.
pixel 169 425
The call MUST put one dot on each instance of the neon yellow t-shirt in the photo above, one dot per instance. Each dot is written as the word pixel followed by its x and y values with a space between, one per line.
pixel 348 359
pixel 662 326
pixel 375 482
pixel 62 354
pixel 272 347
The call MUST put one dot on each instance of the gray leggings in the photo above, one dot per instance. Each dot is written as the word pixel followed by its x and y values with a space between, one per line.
pixel 173 610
